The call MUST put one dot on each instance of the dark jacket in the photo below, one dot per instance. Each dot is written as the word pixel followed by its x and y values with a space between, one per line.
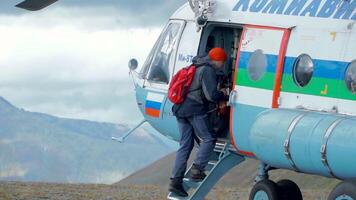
pixel 203 90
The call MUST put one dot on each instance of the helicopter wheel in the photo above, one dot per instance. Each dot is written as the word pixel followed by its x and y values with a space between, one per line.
pixel 344 191
pixel 288 190
pixel 264 190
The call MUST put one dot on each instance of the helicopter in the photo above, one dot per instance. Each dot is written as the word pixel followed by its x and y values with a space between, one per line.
pixel 291 71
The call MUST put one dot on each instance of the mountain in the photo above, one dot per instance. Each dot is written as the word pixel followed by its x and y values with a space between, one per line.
pixel 43 148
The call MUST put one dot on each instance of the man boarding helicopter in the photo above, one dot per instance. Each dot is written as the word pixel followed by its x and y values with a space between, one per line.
pixel 193 120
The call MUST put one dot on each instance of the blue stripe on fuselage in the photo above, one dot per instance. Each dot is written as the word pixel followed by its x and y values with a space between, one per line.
pixel 153 105
pixel 322 68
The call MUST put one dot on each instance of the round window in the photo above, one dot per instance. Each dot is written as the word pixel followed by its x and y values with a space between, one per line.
pixel 350 77
pixel 257 65
pixel 303 70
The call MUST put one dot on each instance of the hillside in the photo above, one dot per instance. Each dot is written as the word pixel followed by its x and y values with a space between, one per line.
pixel 43 148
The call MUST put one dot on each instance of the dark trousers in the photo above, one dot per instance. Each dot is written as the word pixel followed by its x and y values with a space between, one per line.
pixel 198 125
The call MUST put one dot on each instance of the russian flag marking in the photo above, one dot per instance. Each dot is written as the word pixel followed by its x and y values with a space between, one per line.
pixel 153 104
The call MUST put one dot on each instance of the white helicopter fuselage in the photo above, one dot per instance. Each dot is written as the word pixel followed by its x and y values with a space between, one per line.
pixel 292 62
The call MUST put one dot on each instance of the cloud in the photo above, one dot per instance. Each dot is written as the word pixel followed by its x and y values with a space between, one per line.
pixel 13 170
pixel 67 50
pixel 70 67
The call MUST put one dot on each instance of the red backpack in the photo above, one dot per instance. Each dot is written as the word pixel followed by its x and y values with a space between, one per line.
pixel 180 84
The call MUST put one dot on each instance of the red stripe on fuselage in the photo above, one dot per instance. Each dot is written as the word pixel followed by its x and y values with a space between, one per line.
pixel 152 112
pixel 280 67
pixel 245 153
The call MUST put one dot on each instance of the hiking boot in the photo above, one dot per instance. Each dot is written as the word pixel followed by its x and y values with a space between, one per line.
pixel 177 189
pixel 197 174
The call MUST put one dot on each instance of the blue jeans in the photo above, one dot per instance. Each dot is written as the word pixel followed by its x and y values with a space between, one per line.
pixel 189 128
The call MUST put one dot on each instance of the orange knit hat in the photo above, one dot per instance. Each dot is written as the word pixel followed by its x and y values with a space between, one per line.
pixel 217 54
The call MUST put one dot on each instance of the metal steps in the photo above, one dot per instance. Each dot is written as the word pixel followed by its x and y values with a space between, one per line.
pixel 221 161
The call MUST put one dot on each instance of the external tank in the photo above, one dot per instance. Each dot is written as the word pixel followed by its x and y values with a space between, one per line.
pixel 306 141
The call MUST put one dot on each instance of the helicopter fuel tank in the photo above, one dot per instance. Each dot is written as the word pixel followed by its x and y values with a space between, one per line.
pixel 306 141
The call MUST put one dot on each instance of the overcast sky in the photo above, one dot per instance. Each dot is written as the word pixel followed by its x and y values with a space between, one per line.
pixel 70 59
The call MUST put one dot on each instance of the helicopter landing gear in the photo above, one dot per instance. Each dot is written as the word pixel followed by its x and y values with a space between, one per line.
pixel 266 189
pixel 269 190
pixel 344 191
pixel 288 190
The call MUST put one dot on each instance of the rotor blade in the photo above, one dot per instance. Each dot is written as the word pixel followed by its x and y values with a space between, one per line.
pixel 34 5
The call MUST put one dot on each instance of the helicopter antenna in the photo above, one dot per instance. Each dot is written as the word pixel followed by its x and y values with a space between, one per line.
pixel 35 5
pixel 201 9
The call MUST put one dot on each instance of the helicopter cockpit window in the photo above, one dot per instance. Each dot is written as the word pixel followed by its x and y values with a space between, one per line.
pixel 160 71
pixel 146 65
pixel 303 70
pixel 350 77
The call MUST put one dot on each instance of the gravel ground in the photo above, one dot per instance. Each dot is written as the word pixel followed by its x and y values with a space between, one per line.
pixel 43 191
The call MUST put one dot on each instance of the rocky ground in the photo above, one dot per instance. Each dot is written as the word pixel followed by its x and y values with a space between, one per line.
pixel 151 183
pixel 43 191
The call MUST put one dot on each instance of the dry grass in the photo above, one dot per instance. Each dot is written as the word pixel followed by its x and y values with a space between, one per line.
pixel 43 191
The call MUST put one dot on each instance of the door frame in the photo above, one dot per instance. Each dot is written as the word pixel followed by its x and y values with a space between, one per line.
pixel 277 80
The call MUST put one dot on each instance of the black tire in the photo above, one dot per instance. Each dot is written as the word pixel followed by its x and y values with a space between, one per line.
pixel 288 190
pixel 342 190
pixel 268 187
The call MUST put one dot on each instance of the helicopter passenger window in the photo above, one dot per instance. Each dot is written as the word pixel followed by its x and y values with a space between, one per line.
pixel 350 77
pixel 303 70
pixel 257 65
pixel 162 58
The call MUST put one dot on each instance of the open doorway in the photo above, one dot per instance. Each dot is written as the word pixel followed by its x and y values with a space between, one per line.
pixel 226 36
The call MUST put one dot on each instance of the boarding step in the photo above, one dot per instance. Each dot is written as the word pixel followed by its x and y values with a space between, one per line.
pixel 221 161
pixel 210 166
pixel 172 196
pixel 189 184
pixel 219 149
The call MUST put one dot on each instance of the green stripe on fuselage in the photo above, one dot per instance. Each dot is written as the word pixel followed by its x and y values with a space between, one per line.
pixel 317 86
pixel 266 82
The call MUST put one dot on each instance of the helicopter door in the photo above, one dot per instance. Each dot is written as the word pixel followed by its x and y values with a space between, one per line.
pixel 258 75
